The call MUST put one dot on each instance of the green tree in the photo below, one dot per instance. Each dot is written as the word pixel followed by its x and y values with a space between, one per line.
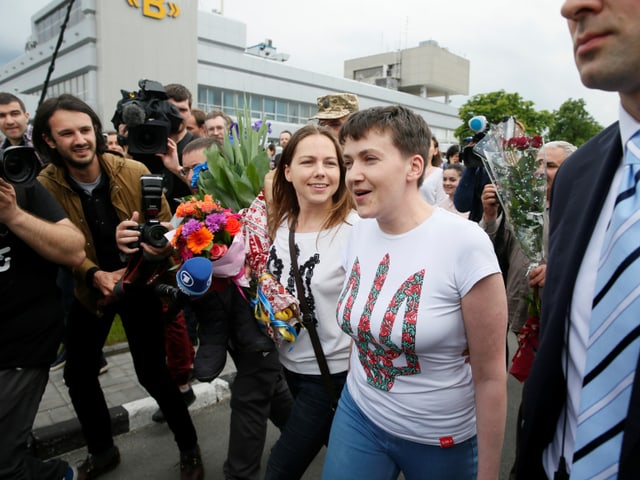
pixel 497 105
pixel 572 123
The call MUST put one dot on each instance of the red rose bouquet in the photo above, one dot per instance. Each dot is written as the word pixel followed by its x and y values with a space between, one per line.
pixel 511 159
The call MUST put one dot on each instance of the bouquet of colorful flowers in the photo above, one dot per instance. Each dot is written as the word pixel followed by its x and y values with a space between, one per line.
pixel 211 231
pixel 234 175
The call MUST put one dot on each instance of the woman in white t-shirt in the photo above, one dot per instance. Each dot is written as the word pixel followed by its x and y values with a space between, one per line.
pixel 310 196
pixel 414 402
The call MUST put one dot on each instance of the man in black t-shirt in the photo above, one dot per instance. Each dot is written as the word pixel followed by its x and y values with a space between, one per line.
pixel 35 237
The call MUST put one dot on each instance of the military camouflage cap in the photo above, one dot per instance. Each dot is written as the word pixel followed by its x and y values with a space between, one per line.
pixel 336 105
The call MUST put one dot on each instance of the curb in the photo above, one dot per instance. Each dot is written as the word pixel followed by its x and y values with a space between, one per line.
pixel 66 436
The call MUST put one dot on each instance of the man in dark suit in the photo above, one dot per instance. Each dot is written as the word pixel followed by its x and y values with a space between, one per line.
pixel 553 437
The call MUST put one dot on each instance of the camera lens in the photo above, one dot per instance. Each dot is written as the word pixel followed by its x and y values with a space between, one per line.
pixel 148 138
pixel 154 235
pixel 19 165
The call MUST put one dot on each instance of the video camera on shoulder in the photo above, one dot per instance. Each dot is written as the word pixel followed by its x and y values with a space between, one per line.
pixel 19 165
pixel 151 231
pixel 149 116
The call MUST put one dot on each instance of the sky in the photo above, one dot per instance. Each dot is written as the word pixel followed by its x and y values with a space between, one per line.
pixel 520 46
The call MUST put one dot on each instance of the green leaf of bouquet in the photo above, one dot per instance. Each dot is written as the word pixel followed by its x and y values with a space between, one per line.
pixel 245 190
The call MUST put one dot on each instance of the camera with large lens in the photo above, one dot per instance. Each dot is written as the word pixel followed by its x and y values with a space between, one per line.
pixel 151 231
pixel 149 116
pixel 19 165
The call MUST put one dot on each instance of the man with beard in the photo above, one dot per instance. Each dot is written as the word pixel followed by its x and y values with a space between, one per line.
pixel 99 190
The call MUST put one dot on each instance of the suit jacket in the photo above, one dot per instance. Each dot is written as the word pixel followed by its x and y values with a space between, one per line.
pixel 578 194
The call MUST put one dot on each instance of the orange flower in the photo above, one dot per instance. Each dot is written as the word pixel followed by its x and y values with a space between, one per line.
pixel 233 226
pixel 207 205
pixel 177 235
pixel 199 240
pixel 185 209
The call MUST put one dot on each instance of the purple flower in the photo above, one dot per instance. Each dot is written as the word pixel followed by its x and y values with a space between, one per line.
pixel 256 126
pixel 215 222
pixel 190 226
pixel 236 127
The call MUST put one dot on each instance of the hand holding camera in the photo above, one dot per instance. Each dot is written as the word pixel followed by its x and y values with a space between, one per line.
pixel 150 235
pixel 131 236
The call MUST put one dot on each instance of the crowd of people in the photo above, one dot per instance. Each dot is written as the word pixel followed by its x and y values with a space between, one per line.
pixel 400 366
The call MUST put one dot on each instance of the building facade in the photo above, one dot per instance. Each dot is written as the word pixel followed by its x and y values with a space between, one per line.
pixel 109 45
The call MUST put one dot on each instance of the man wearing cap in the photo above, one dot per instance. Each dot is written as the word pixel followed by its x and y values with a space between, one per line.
pixel 334 109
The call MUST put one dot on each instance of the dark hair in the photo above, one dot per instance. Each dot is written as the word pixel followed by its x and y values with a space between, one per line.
pixel 199 115
pixel 285 131
pixel 201 143
pixel 178 92
pixel 436 160
pixel 410 133
pixel 285 201
pixel 451 151
pixel 271 147
pixel 6 98
pixel 458 167
pixel 41 125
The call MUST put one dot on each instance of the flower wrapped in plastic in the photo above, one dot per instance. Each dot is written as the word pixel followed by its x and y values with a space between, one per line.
pixel 234 174
pixel 275 308
pixel 510 157
pixel 511 160
pixel 211 231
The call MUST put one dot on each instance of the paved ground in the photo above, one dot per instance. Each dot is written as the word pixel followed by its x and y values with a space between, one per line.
pixel 56 430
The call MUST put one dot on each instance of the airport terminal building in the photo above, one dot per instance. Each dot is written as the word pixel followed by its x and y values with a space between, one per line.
pixel 110 45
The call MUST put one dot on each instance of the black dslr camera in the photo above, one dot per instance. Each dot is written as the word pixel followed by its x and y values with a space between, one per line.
pixel 19 165
pixel 149 118
pixel 151 231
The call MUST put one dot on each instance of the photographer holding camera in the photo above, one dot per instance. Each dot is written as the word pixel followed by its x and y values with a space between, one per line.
pixel 155 119
pixel 35 238
pixel 98 191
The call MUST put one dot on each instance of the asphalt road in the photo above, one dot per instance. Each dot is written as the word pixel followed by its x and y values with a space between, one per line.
pixel 150 452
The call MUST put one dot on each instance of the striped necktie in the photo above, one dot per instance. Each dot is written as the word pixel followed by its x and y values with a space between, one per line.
pixel 614 333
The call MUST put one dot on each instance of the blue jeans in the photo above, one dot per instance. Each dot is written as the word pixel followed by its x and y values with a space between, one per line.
pixel 360 449
pixel 307 428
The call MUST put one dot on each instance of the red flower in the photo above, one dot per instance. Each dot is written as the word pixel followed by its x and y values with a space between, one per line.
pixel 536 142
pixel 233 226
